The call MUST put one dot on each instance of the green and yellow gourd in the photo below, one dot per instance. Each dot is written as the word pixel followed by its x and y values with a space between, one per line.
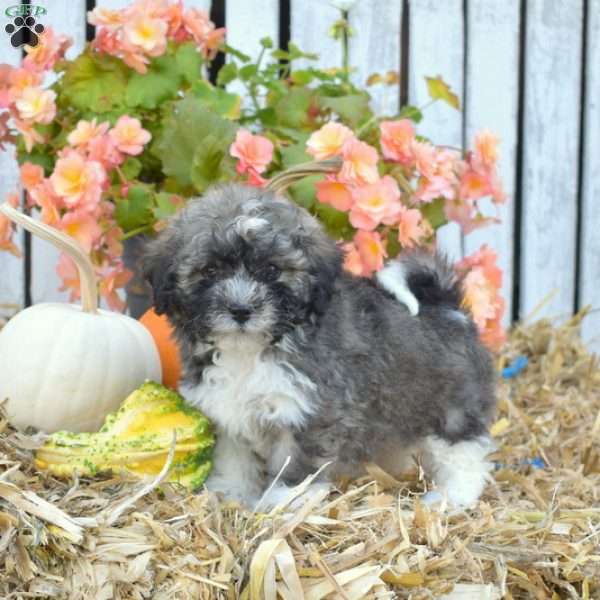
pixel 136 439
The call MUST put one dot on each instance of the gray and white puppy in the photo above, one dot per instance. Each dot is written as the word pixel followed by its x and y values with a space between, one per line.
pixel 290 356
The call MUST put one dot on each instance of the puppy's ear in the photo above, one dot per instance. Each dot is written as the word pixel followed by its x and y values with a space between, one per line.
pixel 158 266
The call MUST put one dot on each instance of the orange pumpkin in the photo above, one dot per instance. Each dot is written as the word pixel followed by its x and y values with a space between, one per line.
pixel 161 330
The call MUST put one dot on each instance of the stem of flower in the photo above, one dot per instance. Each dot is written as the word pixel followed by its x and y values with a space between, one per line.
pixel 66 244
pixel 136 231
pixel 366 127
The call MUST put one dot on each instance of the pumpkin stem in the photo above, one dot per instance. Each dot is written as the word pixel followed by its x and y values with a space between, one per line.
pixel 65 243
pixel 283 180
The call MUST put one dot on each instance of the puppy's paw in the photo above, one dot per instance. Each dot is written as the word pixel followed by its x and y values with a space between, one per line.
pixel 233 490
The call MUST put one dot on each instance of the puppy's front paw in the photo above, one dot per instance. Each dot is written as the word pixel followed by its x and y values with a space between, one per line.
pixel 282 495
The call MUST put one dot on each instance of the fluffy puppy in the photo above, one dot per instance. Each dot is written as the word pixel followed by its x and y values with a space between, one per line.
pixel 290 356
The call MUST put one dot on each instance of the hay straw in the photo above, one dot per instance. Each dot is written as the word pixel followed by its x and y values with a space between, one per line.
pixel 535 533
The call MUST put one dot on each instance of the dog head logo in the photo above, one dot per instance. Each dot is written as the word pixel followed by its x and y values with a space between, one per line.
pixel 24 29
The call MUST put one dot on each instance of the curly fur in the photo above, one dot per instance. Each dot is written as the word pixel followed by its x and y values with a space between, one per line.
pixel 290 356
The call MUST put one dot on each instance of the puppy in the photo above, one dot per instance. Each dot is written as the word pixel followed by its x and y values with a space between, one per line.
pixel 290 356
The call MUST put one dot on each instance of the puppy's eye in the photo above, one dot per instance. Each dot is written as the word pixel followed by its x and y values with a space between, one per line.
pixel 271 272
pixel 210 271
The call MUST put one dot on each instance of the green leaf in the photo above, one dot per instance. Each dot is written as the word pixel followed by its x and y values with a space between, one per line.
pixel 189 62
pixel 336 222
pixel 434 212
pixel 292 110
pixel 266 42
pixel 136 210
pixel 227 73
pixel 235 52
pixel 412 113
pixel 352 109
pixel 247 72
pixel 188 127
pixel 295 154
pixel 131 168
pixel 159 84
pixel 224 103
pixel 41 158
pixel 206 166
pixel 302 77
pixel 166 205
pixel 439 90
pixel 96 83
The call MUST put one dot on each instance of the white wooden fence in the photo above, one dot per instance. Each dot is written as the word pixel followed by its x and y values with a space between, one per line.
pixel 526 69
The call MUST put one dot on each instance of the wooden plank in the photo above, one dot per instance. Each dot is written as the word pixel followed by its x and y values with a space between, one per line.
pixel 375 47
pixel 12 269
pixel 590 239
pixel 492 73
pixel 550 157
pixel 264 16
pixel 436 48
pixel 68 19
pixel 311 21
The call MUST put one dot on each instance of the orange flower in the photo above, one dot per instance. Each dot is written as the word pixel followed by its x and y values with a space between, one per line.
pixel 49 50
pixel 31 137
pixel 253 151
pixel 396 140
pixel 352 261
pixel 335 193
pixel 78 181
pixel 7 228
pixel 376 203
pixel 69 275
pixel 36 105
pixel 328 141
pixel 86 131
pixel 413 228
pixel 112 278
pixel 31 175
pixel 360 162
pixel 371 250
pixel 129 136
pixel 486 149
pixel 146 34
pixel 474 185
pixel 482 280
pixel 82 226
pixel 44 197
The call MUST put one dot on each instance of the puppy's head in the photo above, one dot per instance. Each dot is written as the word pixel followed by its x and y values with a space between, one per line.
pixel 241 260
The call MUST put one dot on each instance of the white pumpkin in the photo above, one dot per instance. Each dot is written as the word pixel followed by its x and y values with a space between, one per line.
pixel 64 366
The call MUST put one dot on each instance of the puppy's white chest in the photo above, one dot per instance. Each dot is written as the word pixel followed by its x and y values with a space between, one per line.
pixel 246 393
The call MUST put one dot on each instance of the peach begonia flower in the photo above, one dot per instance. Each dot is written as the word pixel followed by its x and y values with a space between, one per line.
pixel 396 140
pixel 69 275
pixel 360 162
pixel 413 228
pixel 86 131
pixel 352 261
pixel 112 278
pixel 328 141
pixel 82 226
pixel 20 79
pixel 371 250
pixel 29 133
pixel 49 50
pixel 36 105
pixel 129 136
pixel 335 193
pixel 104 150
pixel 44 197
pixel 252 151
pixel 198 24
pixel 78 181
pixel 485 155
pixel 147 34
pixel 5 85
pixel 105 17
pixel 7 228
pixel 474 185
pixel 482 280
pixel 439 172
pixel 31 175
pixel 376 203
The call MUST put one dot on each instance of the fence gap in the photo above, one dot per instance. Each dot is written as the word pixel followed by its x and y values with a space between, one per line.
pixel 581 159
pixel 217 16
pixel 518 199
pixel 404 52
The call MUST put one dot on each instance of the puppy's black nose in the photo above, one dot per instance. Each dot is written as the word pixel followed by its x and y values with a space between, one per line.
pixel 240 313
